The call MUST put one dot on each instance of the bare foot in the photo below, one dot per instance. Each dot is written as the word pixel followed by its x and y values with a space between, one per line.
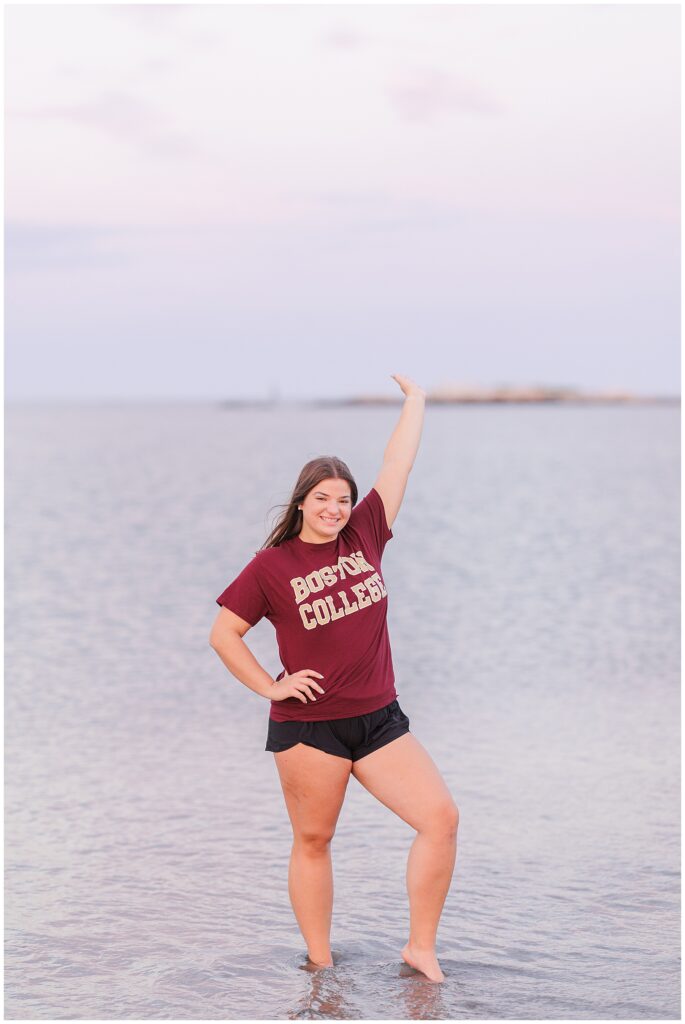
pixel 424 961
pixel 318 963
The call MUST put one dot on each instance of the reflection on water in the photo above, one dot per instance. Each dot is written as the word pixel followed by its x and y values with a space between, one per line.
pixel 328 997
pixel 533 612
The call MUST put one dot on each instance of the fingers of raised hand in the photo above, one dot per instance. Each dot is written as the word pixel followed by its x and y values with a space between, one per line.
pixel 407 384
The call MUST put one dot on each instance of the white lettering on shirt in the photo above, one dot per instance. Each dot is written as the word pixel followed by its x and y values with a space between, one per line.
pixel 321 611
pixel 328 575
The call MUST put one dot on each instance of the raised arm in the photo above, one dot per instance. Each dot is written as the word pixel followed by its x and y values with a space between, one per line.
pixel 401 449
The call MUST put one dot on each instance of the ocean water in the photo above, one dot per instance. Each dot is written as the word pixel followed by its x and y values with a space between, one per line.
pixel 533 587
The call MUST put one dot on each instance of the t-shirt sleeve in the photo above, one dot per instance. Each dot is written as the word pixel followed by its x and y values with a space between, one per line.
pixel 245 595
pixel 369 517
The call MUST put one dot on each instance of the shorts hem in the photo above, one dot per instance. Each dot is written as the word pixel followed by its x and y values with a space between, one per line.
pixel 384 742
pixel 325 750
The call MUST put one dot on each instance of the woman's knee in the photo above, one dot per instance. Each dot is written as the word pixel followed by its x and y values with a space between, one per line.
pixel 443 820
pixel 313 840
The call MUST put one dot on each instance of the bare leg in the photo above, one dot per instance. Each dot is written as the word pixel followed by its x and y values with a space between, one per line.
pixel 429 872
pixel 314 785
pixel 403 776
pixel 310 886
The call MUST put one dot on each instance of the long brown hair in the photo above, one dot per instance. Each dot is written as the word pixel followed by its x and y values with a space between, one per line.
pixel 290 522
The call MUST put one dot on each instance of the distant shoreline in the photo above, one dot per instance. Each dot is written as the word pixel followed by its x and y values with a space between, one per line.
pixel 495 397
pixel 355 401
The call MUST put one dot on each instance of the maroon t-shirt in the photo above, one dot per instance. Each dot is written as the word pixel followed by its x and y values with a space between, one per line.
pixel 329 606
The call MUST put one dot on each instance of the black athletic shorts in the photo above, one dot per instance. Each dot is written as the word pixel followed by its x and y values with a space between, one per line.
pixel 346 737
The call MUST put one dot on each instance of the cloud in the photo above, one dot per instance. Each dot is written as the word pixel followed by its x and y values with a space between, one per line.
pixel 342 216
pixel 420 94
pixel 151 17
pixel 61 247
pixel 125 117
pixel 344 39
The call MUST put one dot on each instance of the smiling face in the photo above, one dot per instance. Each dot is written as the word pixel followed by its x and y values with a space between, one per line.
pixel 325 511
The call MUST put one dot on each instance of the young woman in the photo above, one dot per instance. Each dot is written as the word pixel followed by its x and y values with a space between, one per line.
pixel 334 709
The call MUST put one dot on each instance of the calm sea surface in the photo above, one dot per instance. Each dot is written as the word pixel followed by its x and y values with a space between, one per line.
pixel 533 584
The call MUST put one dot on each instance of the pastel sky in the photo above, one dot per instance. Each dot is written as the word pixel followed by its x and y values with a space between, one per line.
pixel 231 200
